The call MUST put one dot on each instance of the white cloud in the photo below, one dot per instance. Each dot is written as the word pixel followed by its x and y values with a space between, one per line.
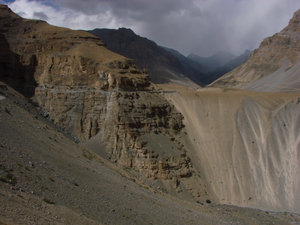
pixel 63 16
pixel 199 26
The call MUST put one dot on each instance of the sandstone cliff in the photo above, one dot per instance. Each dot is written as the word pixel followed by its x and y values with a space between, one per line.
pixel 97 96
pixel 276 60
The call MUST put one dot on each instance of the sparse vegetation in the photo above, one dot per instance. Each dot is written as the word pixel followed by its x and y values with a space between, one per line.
pixel 51 179
pixel 87 155
pixel 48 201
pixel 7 176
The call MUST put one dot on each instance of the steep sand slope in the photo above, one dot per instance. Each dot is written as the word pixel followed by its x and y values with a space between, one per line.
pixel 246 144
pixel 285 79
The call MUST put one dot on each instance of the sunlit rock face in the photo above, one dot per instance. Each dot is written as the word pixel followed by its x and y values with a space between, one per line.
pixel 99 97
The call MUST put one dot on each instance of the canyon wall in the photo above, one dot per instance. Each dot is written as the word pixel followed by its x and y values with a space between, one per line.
pixel 101 99
pixel 233 147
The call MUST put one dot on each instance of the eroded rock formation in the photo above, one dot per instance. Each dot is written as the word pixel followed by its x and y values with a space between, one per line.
pixel 93 93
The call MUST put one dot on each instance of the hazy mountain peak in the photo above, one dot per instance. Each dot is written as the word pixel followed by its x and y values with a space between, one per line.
pixel 223 54
pixel 274 66
pixel 214 61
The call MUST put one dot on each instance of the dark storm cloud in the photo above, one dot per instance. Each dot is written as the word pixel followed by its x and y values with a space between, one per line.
pixel 199 26
pixel 123 6
pixel 131 10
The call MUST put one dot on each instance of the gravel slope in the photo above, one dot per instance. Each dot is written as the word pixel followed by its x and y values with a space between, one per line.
pixel 48 179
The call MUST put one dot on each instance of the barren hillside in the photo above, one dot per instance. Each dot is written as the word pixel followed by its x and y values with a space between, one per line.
pixel 86 138
pixel 245 143
pixel 98 97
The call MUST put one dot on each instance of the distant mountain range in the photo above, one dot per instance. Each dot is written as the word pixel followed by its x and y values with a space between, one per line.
pixel 274 66
pixel 161 64
pixel 165 64
pixel 218 64
pixel 210 63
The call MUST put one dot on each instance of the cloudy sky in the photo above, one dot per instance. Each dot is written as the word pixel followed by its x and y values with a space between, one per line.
pixel 203 27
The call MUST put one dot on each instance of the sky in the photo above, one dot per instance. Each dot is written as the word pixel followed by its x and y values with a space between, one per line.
pixel 202 27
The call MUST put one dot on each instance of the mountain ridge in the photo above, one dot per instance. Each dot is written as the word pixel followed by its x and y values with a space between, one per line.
pixel 191 149
pixel 214 61
pixel 219 64
pixel 274 57
pixel 161 64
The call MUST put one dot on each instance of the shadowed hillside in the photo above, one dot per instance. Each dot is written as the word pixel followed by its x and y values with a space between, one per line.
pixel 163 65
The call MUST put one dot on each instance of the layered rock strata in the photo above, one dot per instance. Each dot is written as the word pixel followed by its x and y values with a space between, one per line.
pixel 90 91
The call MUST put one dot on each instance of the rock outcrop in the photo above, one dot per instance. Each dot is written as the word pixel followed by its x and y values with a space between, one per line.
pixel 95 95
pixel 278 53
pixel 120 119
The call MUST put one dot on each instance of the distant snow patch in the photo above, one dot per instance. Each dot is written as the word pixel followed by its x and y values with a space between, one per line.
pixel 2 97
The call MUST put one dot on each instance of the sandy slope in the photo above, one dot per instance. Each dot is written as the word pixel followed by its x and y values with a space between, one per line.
pixel 246 144
pixel 285 79
pixel 47 179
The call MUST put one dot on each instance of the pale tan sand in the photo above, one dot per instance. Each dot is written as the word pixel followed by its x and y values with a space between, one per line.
pixel 246 144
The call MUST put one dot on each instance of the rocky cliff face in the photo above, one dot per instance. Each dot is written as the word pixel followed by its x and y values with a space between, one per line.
pixel 120 119
pixel 281 51
pixel 95 95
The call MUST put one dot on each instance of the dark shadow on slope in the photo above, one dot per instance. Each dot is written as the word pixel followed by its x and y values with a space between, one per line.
pixel 162 64
pixel 13 72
